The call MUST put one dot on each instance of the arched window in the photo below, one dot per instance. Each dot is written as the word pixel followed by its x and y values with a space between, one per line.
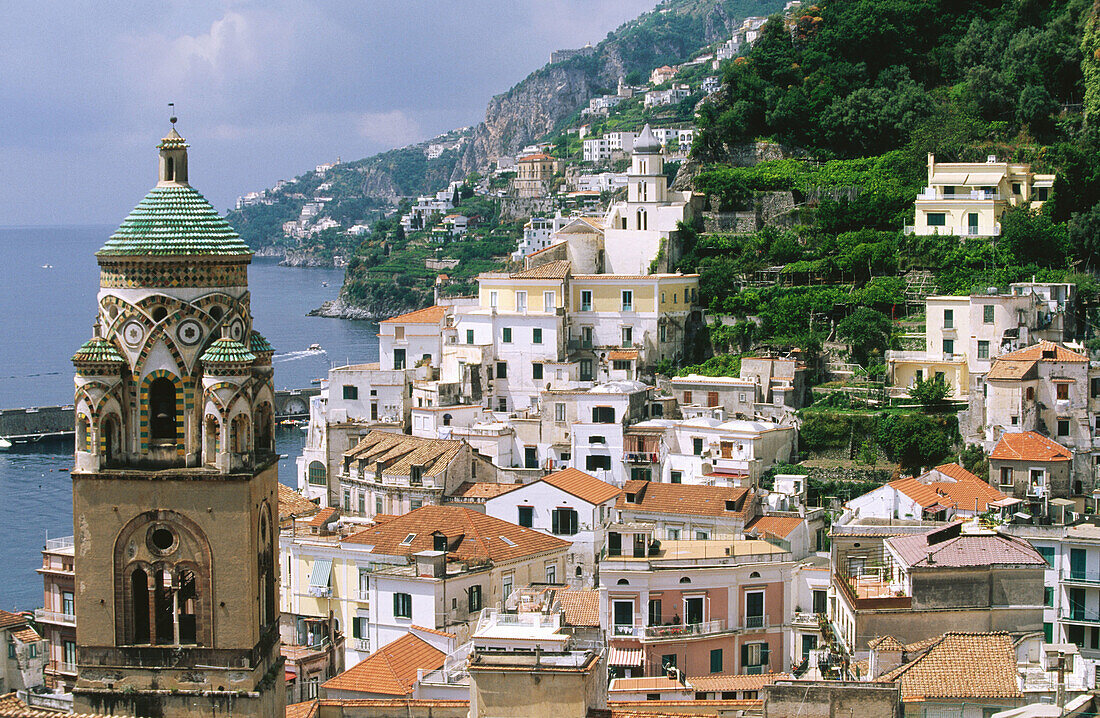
pixel 643 221
pixel 316 474
pixel 212 439
pixel 446 420
pixel 265 566
pixel 579 572
pixel 685 579
pixel 162 411
pixel 239 441
pixel 83 433
pixel 170 169
pixel 139 606
pixel 265 428
pixel 622 582
pixel 754 574
pixel 111 437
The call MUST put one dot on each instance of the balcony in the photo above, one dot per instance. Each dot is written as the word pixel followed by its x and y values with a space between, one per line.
pixel 61 668
pixel 624 631
pixel 641 457
pixel 689 630
pixel 931 195
pixel 362 595
pixel 1080 576
pixel 62 619
pixel 752 622
pixel 361 644
pixel 806 619
pixel 1079 615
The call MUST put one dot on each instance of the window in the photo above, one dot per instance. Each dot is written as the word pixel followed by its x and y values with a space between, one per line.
pixel 469 336
pixel 68 652
pixel 662 332
pixel 378 505
pixel 586 300
pixel 416 475
pixel 549 299
pixel 628 337
pixel 701 535
pixel 987 314
pixel 34 650
pixel 1048 596
pixel 502 370
pixel 536 370
pixel 506 335
pixel 1062 391
pixel 360 627
pixel 697 445
pixel 493 300
pixel 1042 193
pixel 603 415
pixel 586 370
pixel 559 411
pixel 754 609
pixel 676 476
pixel 948 346
pixel 628 300
pixel 1063 427
pixel 563 521
pixel 551 573
pixel 398 359
pixel 526 516
pixel 937 219
pixel 414 504
pixel 399 332
pixel 621 365
pixel 687 397
pixel 983 349
pixel 716 660
pixel 402 605
pixel 754 656
pixel 712 398
pixel 948 318
pixel 521 301
pixel 11 648
pixel 1006 476
pixel 668 661
pixel 530 457
pixel 506 585
pixel 586 337
pixel 316 472
pixel 362 504
pixel 502 403
pixel 351 393
pixel 474 600
pixel 67 603
pixel 347 499
pixel 820 601
pixel 407 541
pixel 594 462
pixel 639 473
pixel 674 534
pixel 536 335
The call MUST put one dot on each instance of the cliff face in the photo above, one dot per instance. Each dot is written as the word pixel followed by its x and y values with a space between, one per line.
pixel 552 94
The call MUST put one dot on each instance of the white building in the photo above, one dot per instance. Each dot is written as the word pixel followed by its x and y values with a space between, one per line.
pixel 676 93
pixel 537 234
pixel 569 504
pixel 711 85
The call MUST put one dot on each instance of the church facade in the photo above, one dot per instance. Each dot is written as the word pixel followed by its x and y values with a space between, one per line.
pixel 175 476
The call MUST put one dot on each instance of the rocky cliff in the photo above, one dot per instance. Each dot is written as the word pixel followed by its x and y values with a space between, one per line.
pixel 554 93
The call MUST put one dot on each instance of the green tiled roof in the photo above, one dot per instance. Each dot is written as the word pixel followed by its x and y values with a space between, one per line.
pixel 174 220
pixel 229 351
pixel 98 349
pixel 259 344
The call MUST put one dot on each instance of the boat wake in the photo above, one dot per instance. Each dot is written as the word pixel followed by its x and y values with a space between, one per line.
pixel 294 356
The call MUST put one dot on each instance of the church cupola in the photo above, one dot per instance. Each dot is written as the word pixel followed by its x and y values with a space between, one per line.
pixel 173 158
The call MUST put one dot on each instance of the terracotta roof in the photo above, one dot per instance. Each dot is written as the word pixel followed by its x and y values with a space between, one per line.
pixel 1037 352
pixel 960 666
pixel 690 499
pixel 967 492
pixel 538 156
pixel 26 635
pixel 1029 446
pixel 11 706
pixel 885 643
pixel 432 630
pixel 470 535
pixel 8 619
pixel 558 269
pixel 732 682
pixel 391 670
pixel 428 315
pixel 323 517
pixel 382 518
pixel 622 355
pixel 963 549
pixel 403 704
pixel 481 489
pixel 581 606
pixel 307 709
pixel 293 504
pixel 398 453
pixel 780 526
pixel 1013 370
pixel 584 486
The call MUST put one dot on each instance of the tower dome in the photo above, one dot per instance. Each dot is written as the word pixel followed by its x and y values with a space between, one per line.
pixel 647 143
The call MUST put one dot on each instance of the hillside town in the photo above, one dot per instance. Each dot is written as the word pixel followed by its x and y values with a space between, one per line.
pixel 633 457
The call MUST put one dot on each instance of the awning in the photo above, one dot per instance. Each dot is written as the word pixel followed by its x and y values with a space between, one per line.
pixel 291 677
pixel 984 179
pixel 319 579
pixel 625 657
pixel 949 178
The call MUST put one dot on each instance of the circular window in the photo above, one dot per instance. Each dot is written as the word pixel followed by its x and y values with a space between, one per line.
pixel 162 540
pixel 754 574
pixel 133 333
pixel 189 332
pixel 159 314
pixel 112 311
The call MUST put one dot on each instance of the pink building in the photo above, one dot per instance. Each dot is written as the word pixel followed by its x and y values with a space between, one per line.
pixel 704 607
pixel 57 618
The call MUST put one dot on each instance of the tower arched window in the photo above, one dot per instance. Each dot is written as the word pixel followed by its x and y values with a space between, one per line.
pixel 162 410
pixel 111 434
pixel 265 428
pixel 446 420
pixel 83 433
pixel 139 606
pixel 265 566
pixel 643 220
pixel 211 438
pixel 170 169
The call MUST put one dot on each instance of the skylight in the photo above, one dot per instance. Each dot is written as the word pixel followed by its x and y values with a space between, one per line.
pixel 408 540
pixel 507 540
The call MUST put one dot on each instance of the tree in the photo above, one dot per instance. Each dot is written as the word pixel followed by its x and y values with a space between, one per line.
pixel 916 441
pixel 1084 236
pixel 867 330
pixel 930 392
pixel 974 460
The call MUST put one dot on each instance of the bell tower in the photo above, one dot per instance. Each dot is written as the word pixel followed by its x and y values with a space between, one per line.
pixel 175 477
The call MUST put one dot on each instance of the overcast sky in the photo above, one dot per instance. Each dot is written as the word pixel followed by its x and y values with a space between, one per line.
pixel 263 90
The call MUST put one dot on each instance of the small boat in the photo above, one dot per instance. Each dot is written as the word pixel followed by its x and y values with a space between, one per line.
pixel 324 284
pixel 4 444
pixel 315 381
pixel 288 422
pixel 315 347
pixel 47 266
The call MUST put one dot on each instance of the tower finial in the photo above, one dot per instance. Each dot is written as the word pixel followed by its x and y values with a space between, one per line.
pixel 172 113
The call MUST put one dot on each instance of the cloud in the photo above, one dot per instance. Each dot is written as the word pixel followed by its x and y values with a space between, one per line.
pixel 392 129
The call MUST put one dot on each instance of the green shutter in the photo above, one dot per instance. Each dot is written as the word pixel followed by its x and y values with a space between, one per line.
pixel 716 660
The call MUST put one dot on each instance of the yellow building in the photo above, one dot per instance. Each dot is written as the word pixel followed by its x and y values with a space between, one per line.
pixel 967 199
pixel 534 173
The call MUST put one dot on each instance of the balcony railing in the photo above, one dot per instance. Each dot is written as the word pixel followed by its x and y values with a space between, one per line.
pixel 806 619
pixel 44 616
pixel 61 667
pixel 641 457
pixel 683 631
pixel 624 631
pixel 56 544
pixel 1081 576
pixel 360 644
pixel 1081 616
pixel 362 595
pixel 756 621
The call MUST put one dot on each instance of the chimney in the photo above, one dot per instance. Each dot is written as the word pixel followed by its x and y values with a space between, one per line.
pixel 431 564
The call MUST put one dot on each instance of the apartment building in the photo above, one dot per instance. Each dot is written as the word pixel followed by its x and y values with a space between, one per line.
pixel 686 512
pixel 967 199
pixel 569 504
pixel 56 619
pixel 534 173
pixel 1032 468
pixel 22 665
pixel 607 147
pixel 537 235
pixel 434 568
pixel 942 494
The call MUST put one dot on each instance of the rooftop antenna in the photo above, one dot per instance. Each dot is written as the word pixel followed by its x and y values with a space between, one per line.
pixel 172 113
